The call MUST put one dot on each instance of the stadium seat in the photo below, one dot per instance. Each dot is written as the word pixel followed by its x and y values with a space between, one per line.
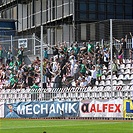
pixel 120 77
pixel 102 83
pixel 108 91
pixel 131 77
pixel 103 77
pixel 131 92
pixel 127 71
pixel 97 83
pixel 128 66
pixel 120 82
pixel 122 66
pixel 108 77
pixel 108 82
pixel 114 77
pixel 127 61
pixel 126 76
pixel 131 70
pixel 114 82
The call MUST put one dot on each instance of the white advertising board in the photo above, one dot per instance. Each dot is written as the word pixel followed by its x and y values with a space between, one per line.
pixel 22 43
pixel 101 108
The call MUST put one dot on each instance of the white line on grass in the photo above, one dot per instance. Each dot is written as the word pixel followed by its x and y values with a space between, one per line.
pixel 25 127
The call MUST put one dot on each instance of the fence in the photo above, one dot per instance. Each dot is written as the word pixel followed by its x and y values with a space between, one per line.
pixel 30 43
pixel 68 94
pixel 96 32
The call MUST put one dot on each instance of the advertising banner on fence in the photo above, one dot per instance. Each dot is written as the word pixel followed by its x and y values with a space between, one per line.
pixel 1 110
pixel 42 109
pixel 128 109
pixel 101 108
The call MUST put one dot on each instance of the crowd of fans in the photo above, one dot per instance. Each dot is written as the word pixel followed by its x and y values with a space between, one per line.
pixel 72 66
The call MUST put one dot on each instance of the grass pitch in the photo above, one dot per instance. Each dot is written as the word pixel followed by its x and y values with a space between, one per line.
pixel 64 126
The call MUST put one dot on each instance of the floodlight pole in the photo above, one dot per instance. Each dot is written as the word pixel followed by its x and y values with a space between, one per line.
pixel 73 8
pixel 34 43
pixel 111 42
pixel 11 44
pixel 41 67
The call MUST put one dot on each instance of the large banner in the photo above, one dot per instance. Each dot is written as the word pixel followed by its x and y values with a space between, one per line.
pixel 128 109
pixel 42 109
pixel 101 108
pixel 1 110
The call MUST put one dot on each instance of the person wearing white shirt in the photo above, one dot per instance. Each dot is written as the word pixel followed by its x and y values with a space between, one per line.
pixel 84 82
pixel 55 65
pixel 88 79
pixel 93 75
pixel 76 70
pixel 106 58
pixel 72 62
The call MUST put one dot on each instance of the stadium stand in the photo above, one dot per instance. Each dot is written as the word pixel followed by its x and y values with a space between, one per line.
pixel 60 83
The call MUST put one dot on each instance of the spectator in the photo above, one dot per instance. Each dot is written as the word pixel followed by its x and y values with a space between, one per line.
pixel 83 68
pixel 123 42
pixel 97 48
pixel 131 50
pixel 1 54
pixel 48 74
pixel 9 56
pixel 76 50
pixel 115 68
pixel 45 53
pixel 88 77
pixel 132 38
pixel 62 63
pixel 65 48
pixel 99 71
pixel 72 62
pixel 55 50
pixel 83 82
pixel 120 56
pixel 106 58
pixel 6 83
pixel 37 61
pixel 30 80
pixel 76 70
pixel 90 50
pixel 34 90
pixel 45 82
pixel 93 75
pixel 55 65
pixel 131 55
pixel 20 54
pixel 57 83
pixel 114 52
pixel 68 83
pixel 14 82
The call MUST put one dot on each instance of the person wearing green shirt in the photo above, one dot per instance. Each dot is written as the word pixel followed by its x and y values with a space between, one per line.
pixel 1 54
pixel 34 91
pixel 13 82
pixel 11 65
pixel 83 68
pixel 76 50
pixel 90 50
pixel 35 86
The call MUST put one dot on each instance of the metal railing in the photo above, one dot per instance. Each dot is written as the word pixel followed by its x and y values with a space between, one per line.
pixel 71 94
